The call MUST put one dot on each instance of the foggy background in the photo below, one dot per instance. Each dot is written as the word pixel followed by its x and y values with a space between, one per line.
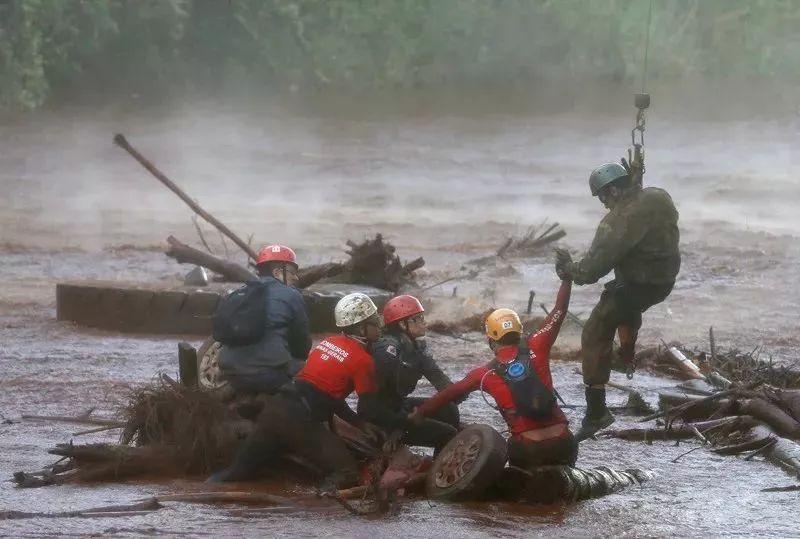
pixel 444 125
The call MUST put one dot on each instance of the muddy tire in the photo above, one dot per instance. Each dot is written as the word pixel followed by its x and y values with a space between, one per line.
pixel 208 371
pixel 468 464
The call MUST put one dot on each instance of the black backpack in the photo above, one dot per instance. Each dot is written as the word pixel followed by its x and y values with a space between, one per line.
pixel 241 316
pixel 531 397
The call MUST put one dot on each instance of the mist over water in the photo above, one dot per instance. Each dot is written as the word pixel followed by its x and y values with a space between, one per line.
pixel 444 179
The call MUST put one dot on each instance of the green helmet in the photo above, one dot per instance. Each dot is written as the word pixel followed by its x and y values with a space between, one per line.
pixel 605 174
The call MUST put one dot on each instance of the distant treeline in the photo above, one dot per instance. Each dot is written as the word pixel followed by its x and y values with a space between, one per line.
pixel 58 48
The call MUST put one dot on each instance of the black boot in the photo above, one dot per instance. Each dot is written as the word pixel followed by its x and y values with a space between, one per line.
pixel 597 415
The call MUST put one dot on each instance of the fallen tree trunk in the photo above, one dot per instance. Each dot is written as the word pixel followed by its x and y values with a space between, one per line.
pixel 784 453
pixel 685 410
pixel 777 419
pixel 184 254
pixel 310 275
pixel 688 407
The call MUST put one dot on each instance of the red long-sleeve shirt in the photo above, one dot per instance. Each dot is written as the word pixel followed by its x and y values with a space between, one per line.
pixel 339 365
pixel 539 345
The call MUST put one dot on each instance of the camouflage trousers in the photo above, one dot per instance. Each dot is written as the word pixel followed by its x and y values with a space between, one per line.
pixel 621 305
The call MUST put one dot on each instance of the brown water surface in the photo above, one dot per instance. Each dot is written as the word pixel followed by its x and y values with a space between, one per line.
pixel 448 186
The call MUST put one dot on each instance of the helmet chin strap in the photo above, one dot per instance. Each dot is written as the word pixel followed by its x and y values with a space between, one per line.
pixel 362 328
pixel 404 326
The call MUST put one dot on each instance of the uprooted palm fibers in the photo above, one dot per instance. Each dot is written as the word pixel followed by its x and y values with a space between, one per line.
pixel 169 429
pixel 374 262
pixel 194 424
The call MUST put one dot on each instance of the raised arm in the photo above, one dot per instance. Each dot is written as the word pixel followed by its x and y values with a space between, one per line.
pixel 543 340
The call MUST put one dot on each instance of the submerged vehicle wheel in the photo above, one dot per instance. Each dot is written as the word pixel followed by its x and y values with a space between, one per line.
pixel 208 371
pixel 469 463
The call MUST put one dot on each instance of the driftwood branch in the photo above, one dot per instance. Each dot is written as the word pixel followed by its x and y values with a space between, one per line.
pixel 310 275
pixel 107 511
pixel 80 420
pixel 120 141
pixel 224 497
pixel 185 254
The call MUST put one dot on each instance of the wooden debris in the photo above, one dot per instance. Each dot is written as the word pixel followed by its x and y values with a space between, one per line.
pixel 684 364
pixel 80 420
pixel 721 369
pixel 260 498
pixel 790 488
pixel 185 254
pixel 531 243
pixel 120 141
pixel 105 512
pixel 375 263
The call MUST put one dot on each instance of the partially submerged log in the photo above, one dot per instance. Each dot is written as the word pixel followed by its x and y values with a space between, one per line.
pixel 698 429
pixel 784 453
pixel 648 435
pixel 146 506
pixel 780 421
pixel 550 484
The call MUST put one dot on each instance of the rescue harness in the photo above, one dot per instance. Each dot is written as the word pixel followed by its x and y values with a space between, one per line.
pixel 531 397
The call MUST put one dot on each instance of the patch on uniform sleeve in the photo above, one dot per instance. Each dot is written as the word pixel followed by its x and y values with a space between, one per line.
pixel 391 350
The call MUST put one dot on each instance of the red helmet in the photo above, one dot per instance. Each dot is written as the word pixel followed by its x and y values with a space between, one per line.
pixel 401 307
pixel 276 253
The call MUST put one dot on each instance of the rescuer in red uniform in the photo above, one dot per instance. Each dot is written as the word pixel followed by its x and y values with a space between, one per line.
pixel 519 380
pixel 297 420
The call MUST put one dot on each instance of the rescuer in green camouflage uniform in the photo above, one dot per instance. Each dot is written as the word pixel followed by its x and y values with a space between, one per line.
pixel 638 239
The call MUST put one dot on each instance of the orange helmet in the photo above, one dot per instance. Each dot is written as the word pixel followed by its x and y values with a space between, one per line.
pixel 401 307
pixel 502 322
pixel 276 253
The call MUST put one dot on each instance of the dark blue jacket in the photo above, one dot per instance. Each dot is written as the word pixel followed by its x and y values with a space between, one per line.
pixel 399 364
pixel 287 336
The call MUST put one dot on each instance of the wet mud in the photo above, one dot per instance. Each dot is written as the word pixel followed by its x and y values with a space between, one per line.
pixel 445 187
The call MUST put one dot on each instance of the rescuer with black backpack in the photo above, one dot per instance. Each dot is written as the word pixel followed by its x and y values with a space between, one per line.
pixel 263 326
pixel 519 381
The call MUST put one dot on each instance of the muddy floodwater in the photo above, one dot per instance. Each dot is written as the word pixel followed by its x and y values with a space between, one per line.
pixel 446 185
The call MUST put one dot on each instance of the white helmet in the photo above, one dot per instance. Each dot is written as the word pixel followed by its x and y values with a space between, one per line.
pixel 353 308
